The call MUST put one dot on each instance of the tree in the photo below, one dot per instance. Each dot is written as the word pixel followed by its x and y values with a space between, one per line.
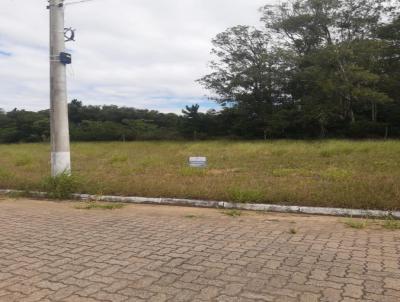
pixel 247 75
pixel 390 66
pixel 75 111
pixel 309 25
pixel 192 121
pixel 338 55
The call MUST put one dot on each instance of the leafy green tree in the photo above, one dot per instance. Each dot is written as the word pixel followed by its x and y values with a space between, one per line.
pixel 390 66
pixel 192 121
pixel 338 55
pixel 75 109
pixel 308 25
pixel 247 75
pixel 3 119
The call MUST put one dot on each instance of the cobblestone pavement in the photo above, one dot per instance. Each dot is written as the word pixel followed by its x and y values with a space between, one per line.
pixel 54 252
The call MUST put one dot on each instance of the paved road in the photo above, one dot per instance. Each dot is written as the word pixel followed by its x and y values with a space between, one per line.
pixel 54 252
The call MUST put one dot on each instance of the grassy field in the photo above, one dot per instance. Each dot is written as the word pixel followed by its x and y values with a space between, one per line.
pixel 330 173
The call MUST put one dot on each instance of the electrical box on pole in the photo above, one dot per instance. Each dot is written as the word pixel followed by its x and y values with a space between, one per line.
pixel 65 58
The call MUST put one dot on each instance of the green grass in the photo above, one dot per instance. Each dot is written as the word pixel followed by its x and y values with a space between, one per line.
pixel 391 224
pixel 336 173
pixel 99 206
pixel 233 213
pixel 192 216
pixel 23 161
pixel 117 158
pixel 245 195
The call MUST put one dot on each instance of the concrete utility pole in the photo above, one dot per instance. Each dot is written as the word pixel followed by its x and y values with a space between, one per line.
pixel 60 146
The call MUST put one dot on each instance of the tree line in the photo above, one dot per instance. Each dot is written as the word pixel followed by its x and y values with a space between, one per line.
pixel 109 123
pixel 315 69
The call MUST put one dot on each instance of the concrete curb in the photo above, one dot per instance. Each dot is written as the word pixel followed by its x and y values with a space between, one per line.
pixel 225 205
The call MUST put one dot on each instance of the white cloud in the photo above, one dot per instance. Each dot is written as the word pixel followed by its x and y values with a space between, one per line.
pixel 138 53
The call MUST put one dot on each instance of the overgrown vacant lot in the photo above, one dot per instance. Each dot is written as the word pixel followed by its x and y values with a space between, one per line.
pixel 330 173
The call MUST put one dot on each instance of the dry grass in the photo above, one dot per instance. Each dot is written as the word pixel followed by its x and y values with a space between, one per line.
pixel 330 173
pixel 99 206
pixel 389 223
pixel 356 223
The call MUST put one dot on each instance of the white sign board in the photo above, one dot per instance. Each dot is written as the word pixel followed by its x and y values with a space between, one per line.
pixel 198 162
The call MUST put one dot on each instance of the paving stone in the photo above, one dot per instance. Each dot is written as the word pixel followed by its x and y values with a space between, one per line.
pixel 104 296
pixel 392 283
pixel 309 297
pixel 353 291
pixel 232 289
pixel 50 252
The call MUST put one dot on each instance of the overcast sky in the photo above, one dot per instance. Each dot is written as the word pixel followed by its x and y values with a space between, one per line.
pixel 137 53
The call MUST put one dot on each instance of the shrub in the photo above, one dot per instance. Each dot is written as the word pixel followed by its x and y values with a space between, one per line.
pixel 61 186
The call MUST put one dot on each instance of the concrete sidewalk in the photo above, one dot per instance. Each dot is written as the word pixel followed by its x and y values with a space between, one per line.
pixel 53 252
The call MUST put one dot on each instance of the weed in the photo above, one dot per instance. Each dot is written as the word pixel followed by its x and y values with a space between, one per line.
pixel 245 195
pixel 61 187
pixel 233 213
pixel 391 224
pixel 293 231
pixel 356 224
pixel 192 216
pixel 100 206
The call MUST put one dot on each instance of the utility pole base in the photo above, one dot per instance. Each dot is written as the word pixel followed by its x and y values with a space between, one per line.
pixel 60 163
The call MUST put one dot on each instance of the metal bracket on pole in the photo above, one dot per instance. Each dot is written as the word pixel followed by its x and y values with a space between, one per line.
pixel 69 34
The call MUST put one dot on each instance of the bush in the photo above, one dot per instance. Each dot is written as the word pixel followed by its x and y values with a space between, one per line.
pixel 61 187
